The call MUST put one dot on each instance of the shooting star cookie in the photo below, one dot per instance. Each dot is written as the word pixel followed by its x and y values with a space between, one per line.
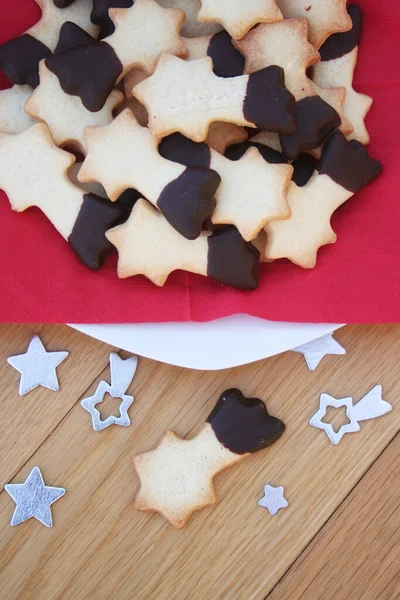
pixel 325 17
pixel 124 155
pixel 20 57
pixel 33 172
pixel 141 34
pixel 317 111
pixel 338 61
pixel 65 115
pixel 148 245
pixel 252 192
pixel 176 478
pixel 187 97
pixel 345 168
pixel 238 17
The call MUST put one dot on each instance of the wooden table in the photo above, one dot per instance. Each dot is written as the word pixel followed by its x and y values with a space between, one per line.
pixel 339 537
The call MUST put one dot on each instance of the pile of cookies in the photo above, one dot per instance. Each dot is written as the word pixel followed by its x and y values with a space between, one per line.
pixel 201 135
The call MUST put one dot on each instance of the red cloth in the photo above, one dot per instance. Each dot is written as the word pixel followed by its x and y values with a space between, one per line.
pixel 356 280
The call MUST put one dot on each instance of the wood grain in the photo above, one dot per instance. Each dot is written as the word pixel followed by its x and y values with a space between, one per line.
pixel 357 554
pixel 100 547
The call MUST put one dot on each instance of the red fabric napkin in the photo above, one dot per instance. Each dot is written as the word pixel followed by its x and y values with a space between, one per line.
pixel 356 280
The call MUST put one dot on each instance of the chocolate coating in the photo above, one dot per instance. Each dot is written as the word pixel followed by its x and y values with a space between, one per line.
pixel 63 3
pixel 71 36
pixel 227 60
pixel 87 238
pixel 188 201
pixel 127 201
pixel 20 58
pixel 316 119
pixel 348 163
pixel 339 44
pixel 243 424
pixel 178 148
pixel 89 72
pixel 99 14
pixel 231 260
pixel 268 104
pixel 304 166
pixel 236 151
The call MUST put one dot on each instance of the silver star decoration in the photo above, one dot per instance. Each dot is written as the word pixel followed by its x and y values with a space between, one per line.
pixel 33 499
pixel 370 406
pixel 316 420
pixel 122 373
pixel 273 499
pixel 37 367
pixel 315 350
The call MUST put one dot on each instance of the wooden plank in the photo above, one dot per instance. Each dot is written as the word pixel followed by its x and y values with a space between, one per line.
pixel 27 421
pixel 101 547
pixel 356 555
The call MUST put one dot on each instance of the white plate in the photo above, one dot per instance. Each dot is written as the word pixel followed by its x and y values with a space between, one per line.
pixel 219 344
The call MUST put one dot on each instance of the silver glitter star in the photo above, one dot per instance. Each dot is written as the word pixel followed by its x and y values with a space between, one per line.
pixel 122 372
pixel 315 350
pixel 316 421
pixel 33 499
pixel 370 406
pixel 37 367
pixel 273 499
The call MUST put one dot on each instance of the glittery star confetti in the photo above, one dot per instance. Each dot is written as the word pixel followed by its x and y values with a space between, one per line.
pixel 122 373
pixel 315 350
pixel 273 499
pixel 33 499
pixel 370 406
pixel 37 367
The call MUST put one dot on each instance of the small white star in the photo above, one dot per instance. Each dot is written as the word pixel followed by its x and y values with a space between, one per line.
pixel 33 499
pixel 325 401
pixel 315 350
pixel 37 367
pixel 273 499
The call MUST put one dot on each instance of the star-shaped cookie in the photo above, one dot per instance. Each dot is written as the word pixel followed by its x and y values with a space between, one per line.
pixel 339 72
pixel 65 115
pixel 325 16
pixel 285 43
pixel 148 245
pixel 176 477
pixel 308 228
pixel 33 172
pixel 143 31
pixel 238 17
pixel 48 27
pixel 252 192
pixel 13 118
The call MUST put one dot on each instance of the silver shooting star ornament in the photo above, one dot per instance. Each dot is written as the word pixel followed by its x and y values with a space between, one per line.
pixel 122 373
pixel 370 406
pixel 273 499
pixel 33 499
pixel 37 367
pixel 315 350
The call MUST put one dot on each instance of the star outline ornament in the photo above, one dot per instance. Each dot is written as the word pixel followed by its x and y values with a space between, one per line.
pixel 33 499
pixel 316 420
pixel 273 499
pixel 32 367
pixel 315 350
pixel 122 373
pixel 90 403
